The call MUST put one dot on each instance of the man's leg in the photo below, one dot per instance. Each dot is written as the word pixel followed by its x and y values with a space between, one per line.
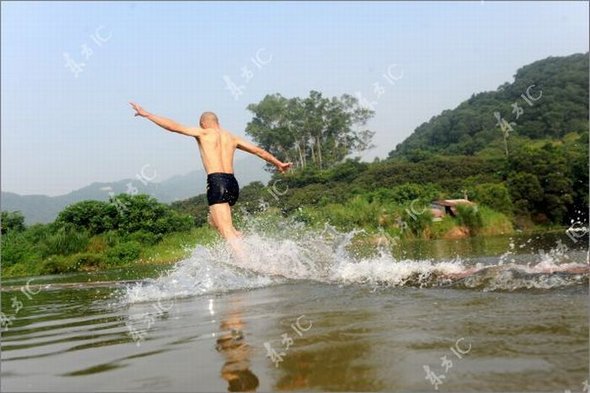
pixel 210 220
pixel 221 217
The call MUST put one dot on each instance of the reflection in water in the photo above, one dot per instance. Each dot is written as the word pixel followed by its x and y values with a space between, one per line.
pixel 341 341
pixel 236 369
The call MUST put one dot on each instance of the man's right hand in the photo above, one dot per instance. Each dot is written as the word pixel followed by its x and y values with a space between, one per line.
pixel 139 111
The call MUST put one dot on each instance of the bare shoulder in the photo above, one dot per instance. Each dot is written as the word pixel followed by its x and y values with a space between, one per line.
pixel 227 132
pixel 235 139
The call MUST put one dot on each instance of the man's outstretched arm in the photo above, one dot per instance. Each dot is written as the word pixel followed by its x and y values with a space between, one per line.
pixel 266 156
pixel 166 123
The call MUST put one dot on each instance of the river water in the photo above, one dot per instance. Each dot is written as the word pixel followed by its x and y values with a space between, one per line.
pixel 308 313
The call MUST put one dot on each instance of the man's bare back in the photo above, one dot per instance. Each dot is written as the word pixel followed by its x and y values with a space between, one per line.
pixel 217 147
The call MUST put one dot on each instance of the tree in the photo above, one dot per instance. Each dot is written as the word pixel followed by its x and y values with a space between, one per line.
pixel 546 167
pixel 495 196
pixel 12 221
pixel 526 192
pixel 313 131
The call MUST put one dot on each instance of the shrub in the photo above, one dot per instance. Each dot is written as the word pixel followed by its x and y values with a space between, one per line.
pixel 97 244
pixel 416 219
pixel 123 253
pixel 56 264
pixel 111 238
pixel 36 233
pixel 65 241
pixel 94 216
pixel 470 217
pixel 495 196
pixel 17 270
pixel 12 221
pixel 144 237
pixel 495 223
pixel 126 214
pixel 143 212
pixel 88 261
pixel 15 249
pixel 411 191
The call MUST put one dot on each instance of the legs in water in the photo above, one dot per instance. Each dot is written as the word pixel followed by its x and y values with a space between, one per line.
pixel 220 218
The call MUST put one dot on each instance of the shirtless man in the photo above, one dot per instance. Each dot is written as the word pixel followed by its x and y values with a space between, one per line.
pixel 217 147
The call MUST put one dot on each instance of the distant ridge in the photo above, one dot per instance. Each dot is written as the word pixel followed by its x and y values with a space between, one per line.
pixel 44 209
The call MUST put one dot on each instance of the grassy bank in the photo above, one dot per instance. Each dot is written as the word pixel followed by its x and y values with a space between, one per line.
pixel 102 253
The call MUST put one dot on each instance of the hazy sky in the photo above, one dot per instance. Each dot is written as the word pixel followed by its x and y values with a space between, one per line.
pixel 61 132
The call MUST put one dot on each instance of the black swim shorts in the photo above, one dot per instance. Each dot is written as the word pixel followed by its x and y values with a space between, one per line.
pixel 222 188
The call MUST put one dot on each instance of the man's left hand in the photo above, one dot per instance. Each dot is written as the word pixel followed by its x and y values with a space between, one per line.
pixel 284 166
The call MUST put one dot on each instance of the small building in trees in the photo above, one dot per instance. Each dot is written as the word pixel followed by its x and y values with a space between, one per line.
pixel 445 207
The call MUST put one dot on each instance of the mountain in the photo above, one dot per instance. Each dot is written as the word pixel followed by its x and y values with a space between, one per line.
pixel 44 209
pixel 551 97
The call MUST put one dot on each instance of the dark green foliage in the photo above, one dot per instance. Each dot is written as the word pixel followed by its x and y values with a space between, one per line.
pixel 526 192
pixel 65 240
pixel 144 237
pixel 16 248
pixel 57 264
pixel 347 171
pixel 36 233
pixel 546 170
pixel 416 219
pixel 470 217
pixel 253 197
pixel 135 213
pixel 123 253
pixel 542 179
pixel 493 195
pixel 406 193
pixel 12 221
pixel 89 261
pixel 197 207
pixel 93 216
pixel 576 156
pixel 448 172
pixel 91 235
pixel 143 212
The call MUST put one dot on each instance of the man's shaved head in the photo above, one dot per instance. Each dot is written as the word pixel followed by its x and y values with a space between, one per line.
pixel 208 119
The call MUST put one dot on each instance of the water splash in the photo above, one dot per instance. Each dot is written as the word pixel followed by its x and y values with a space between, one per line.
pixel 280 250
pixel 203 272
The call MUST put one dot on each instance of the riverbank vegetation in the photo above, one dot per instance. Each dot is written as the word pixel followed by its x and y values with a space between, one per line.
pixel 529 175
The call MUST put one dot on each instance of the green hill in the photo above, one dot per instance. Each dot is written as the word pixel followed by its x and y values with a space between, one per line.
pixel 472 128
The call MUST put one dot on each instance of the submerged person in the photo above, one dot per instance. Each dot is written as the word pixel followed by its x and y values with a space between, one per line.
pixel 217 147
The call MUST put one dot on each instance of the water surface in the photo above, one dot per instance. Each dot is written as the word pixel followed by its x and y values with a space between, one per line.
pixel 342 323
